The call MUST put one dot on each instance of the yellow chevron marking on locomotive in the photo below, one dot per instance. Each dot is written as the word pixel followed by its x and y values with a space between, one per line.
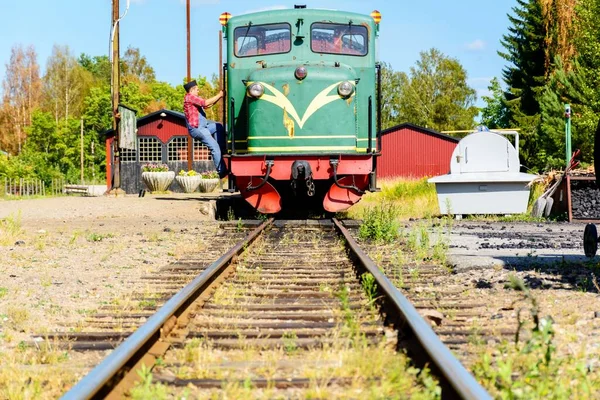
pixel 280 100
pixel 303 137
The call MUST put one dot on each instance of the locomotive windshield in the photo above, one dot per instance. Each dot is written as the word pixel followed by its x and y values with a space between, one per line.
pixel 346 39
pixel 255 40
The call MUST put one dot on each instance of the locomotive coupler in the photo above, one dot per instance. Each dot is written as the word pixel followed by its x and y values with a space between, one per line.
pixel 302 170
pixel 334 164
pixel 269 164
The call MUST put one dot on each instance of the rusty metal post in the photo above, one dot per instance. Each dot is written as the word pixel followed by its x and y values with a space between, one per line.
pixel 116 85
pixel 189 78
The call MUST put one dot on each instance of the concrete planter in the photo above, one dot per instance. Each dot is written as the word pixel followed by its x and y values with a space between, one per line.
pixel 189 184
pixel 208 185
pixel 158 181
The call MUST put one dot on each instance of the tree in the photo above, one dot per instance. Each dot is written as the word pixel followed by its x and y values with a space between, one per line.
pixel 391 85
pixel 526 74
pixel 435 94
pixel 66 84
pixel 21 86
pixel 135 67
pixel 98 66
pixel 495 114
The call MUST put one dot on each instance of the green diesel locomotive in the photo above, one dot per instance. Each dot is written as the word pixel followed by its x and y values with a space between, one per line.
pixel 302 89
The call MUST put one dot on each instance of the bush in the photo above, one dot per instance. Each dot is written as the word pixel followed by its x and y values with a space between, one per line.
pixel 380 223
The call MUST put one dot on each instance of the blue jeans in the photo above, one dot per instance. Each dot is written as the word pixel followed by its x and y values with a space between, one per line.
pixel 212 135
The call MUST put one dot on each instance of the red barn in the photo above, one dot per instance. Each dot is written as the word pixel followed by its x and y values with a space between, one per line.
pixel 408 150
pixel 161 137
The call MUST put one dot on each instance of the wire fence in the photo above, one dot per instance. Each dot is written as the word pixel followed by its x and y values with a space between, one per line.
pixel 21 187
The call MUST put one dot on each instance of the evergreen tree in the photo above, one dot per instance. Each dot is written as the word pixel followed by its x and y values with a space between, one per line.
pixel 495 114
pixel 526 75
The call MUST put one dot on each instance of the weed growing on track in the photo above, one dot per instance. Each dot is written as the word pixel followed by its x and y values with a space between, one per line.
pixel 146 389
pixel 380 223
pixel 367 281
pixel 533 369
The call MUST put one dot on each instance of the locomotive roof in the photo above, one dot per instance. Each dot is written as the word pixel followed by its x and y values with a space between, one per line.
pixel 290 14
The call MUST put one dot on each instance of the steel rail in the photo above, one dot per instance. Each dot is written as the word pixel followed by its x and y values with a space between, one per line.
pixel 459 383
pixel 106 375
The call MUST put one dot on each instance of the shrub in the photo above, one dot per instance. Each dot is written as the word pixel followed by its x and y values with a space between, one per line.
pixel 380 223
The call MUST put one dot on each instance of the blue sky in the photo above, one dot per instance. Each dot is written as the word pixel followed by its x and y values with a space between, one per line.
pixel 468 30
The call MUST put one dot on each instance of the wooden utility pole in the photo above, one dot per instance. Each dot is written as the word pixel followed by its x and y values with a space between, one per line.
pixel 116 85
pixel 189 78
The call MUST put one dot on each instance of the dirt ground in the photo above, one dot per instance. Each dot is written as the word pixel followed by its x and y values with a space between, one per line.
pixel 61 258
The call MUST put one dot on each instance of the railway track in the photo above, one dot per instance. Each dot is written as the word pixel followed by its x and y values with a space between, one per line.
pixel 288 311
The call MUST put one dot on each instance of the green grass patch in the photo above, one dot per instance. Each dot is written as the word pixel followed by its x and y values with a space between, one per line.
pixel 412 198
pixel 380 223
pixel 10 228
pixel 97 237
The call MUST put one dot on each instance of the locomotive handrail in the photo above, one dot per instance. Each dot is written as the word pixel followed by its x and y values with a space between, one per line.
pixel 232 121
pixel 370 130
pixel 458 382
pixel 105 376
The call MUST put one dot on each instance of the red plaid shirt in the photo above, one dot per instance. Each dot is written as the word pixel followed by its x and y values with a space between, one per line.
pixel 191 106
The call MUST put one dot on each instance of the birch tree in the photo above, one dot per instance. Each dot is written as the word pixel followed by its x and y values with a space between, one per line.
pixel 21 95
pixel 66 84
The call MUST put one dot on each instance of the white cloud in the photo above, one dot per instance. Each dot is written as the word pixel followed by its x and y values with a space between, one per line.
pixel 476 45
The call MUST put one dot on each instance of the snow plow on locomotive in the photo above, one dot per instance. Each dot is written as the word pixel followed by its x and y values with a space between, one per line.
pixel 302 90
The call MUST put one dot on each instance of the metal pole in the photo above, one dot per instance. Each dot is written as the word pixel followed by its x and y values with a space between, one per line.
pixel 116 85
pixel 568 133
pixel 189 78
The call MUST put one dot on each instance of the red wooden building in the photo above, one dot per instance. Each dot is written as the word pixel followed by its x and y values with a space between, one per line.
pixel 409 150
pixel 161 137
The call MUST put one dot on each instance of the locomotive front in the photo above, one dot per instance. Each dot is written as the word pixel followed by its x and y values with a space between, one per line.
pixel 302 102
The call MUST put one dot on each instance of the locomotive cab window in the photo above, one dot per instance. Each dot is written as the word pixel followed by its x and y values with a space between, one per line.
pixel 258 40
pixel 345 39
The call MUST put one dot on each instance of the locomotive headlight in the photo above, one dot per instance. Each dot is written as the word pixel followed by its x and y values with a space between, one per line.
pixel 301 72
pixel 256 90
pixel 345 89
